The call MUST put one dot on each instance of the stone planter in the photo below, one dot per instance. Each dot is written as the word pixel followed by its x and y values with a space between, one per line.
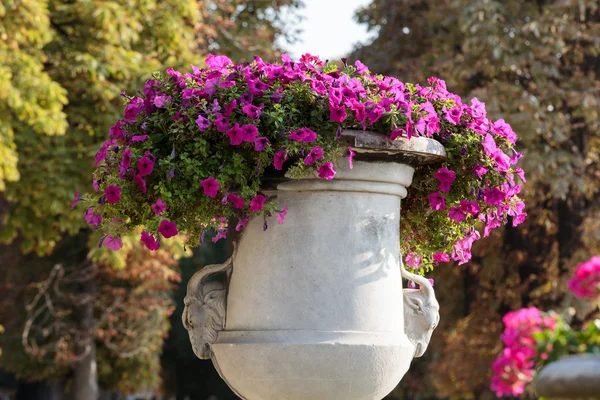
pixel 314 308
pixel 573 377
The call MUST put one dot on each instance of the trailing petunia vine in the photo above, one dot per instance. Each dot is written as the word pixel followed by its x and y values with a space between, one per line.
pixel 191 153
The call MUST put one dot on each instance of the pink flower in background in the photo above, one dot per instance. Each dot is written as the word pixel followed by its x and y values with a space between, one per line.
pixel 479 170
pixel 113 194
pixel 315 154
pixel 236 135
pixel 503 129
pixel 281 215
pixel 139 138
pixel 161 101
pixel 218 62
pixel 586 281
pixel 279 159
pixel 456 214
pixel 453 115
pixel 413 260
pixel 326 171
pixel 521 174
pixel 103 152
pixel 113 243
pixel 261 143
pixel 493 196
pixel 242 222
pixel 337 113
pixel 441 257
pixel 222 123
pixel 149 241
pixel 250 132
pixel 351 155
pixel 145 166
pixel 139 180
pixel 236 201
pixel 252 111
pixel 210 186
pixel 303 135
pixel 167 228
pixel 159 207
pixel 437 201
pixel 257 203
pixel 133 108
pixel 469 207
pixel 230 107
pixel 116 132
pixel 446 177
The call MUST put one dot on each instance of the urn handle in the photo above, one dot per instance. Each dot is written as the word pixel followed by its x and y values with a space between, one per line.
pixel 421 311
pixel 205 306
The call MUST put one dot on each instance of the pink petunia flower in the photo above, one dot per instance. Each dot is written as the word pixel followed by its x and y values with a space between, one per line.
pixel 145 166
pixel 159 207
pixel 76 199
pixel 167 228
pixel 113 194
pixel 326 171
pixel 236 201
pixel 303 135
pixel 257 203
pixel 456 214
pixel 203 123
pixel 210 186
pixel 446 177
pixel 261 143
pixel 350 157
pixel 437 201
pixel 91 217
pixel 236 135
pixel 281 215
pixel 279 159
pixel 149 241
pixel 316 153
pixel 113 243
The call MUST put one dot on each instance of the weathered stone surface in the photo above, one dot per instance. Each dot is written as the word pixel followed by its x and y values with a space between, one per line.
pixel 573 377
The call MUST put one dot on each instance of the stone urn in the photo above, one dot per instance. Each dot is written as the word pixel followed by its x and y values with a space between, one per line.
pixel 314 308
pixel 572 377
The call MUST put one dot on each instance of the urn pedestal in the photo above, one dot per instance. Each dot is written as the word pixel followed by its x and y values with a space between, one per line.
pixel 314 308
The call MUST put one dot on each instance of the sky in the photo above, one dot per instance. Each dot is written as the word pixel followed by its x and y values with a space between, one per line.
pixel 329 29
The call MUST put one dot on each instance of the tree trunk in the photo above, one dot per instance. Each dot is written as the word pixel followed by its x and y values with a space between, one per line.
pixel 85 377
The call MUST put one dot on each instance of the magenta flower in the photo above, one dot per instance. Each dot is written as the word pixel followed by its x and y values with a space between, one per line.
pixel 315 154
pixel 126 159
pixel 279 159
pixel 326 171
pixel 236 135
pixel 456 214
pixel 281 215
pixel 113 243
pixel 103 152
pixel 489 145
pixel 261 143
pixel 113 194
pixel 586 282
pixel 116 132
pixel 413 260
pixel 437 201
pixel 253 111
pixel 503 129
pixel 479 170
pixel 137 178
pixel 242 222
pixel 469 207
pixel 360 67
pixel 222 123
pixel 145 166
pixel 236 201
pixel 95 183
pixel 161 101
pixel 218 62
pixel 139 138
pixel 210 186
pixel 91 217
pixel 493 196
pixel 159 207
pixel 337 113
pixel 441 257
pixel 453 116
pixel 76 199
pixel 521 174
pixel 203 123
pixel 229 108
pixel 221 234
pixel 133 108
pixel 149 241
pixel 446 177
pixel 167 228
pixel 257 203
pixel 351 155
pixel 250 132
pixel 303 135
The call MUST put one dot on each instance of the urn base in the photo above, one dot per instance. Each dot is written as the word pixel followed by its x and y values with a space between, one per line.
pixel 312 365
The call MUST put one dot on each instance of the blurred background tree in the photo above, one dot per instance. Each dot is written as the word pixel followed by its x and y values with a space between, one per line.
pixel 537 65
pixel 63 67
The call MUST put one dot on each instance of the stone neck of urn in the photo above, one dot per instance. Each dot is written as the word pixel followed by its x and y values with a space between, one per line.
pixel 314 308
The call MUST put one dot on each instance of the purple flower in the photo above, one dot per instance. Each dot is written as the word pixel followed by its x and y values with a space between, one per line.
pixel 203 123
pixel 221 234
pixel 489 145
pixel 446 177
pixel 326 171
pixel 222 123
pixel 242 222
pixel 521 174
pixel 479 170
pixel 161 101
pixel 167 229
pixel 279 159
pixel 76 199
pixel 360 67
pixel 261 143
pixel 281 215
pixel 253 111
pixel 337 113
pixel 477 109
pixel 116 132
pixel 139 138
pixel 257 203
pixel 149 241
pixel 315 154
pixel 91 217
pixel 493 196
pixel 103 152
pixel 171 173
pixel 236 135
pixel 441 257
pixel 145 166
pixel 137 178
pixel 453 116
pixel 113 243
pixel 437 201
pixel 95 184
pixel 218 62
pixel 456 214
pixel 210 186
pixel 503 129
pixel 133 108
pixel 376 113
pixel 502 161
pixel 250 132
pixel 159 207
pixel 303 135
pixel 236 201
pixel 469 207
pixel 230 107
pixel 113 194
